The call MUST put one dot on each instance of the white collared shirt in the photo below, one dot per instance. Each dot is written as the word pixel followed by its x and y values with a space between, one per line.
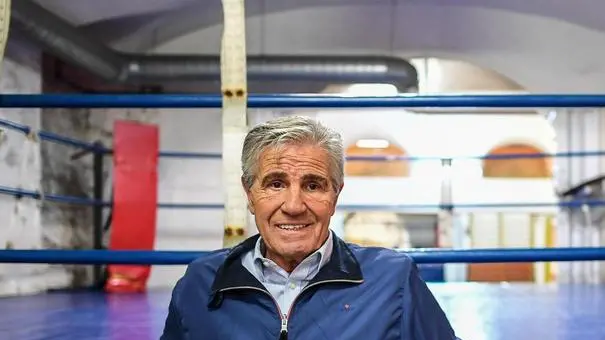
pixel 285 287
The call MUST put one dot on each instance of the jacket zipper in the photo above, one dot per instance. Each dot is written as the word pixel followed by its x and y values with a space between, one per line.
pixel 283 334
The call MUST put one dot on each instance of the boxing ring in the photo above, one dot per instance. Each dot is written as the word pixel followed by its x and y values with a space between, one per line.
pixel 476 310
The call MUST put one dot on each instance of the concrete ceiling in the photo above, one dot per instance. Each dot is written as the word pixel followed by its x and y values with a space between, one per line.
pixel 143 25
pixel 87 12
pixel 178 17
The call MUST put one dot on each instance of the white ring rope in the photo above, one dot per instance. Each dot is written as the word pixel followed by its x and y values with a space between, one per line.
pixel 235 95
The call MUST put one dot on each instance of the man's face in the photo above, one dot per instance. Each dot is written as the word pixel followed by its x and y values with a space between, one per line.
pixel 293 199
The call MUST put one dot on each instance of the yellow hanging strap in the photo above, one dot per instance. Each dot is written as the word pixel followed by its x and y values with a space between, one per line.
pixel 235 97
pixel 5 13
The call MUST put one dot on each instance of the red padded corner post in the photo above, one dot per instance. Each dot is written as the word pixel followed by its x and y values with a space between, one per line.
pixel 135 183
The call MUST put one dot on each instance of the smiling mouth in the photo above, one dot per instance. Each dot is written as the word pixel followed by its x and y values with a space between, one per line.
pixel 292 226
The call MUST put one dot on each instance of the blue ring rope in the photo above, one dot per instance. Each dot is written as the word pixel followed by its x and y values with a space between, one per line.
pixel 51 197
pixel 185 257
pixel 187 101
pixel 298 101
pixel 351 207
pixel 52 137
pixel 288 101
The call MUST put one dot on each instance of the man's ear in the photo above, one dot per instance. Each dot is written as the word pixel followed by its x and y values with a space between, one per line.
pixel 243 184
pixel 248 196
pixel 336 200
pixel 339 190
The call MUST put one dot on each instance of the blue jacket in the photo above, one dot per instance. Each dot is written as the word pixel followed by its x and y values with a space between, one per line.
pixel 361 293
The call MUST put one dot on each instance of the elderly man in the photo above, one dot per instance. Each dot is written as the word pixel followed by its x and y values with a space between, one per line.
pixel 296 279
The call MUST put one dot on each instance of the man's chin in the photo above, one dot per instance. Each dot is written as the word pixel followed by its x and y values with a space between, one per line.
pixel 297 254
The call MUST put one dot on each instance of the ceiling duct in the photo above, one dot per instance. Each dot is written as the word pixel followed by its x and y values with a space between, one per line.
pixel 64 41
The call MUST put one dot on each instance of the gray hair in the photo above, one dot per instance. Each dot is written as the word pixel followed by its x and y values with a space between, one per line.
pixel 292 130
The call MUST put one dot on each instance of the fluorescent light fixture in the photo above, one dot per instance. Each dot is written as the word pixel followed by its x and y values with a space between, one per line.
pixel 371 90
pixel 373 143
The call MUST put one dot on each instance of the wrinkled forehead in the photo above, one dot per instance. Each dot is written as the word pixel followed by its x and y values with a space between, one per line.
pixel 294 160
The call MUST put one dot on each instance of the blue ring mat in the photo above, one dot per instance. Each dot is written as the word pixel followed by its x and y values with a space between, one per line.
pixel 477 311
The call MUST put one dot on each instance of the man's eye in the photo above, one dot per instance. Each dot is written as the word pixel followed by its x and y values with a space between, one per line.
pixel 313 186
pixel 276 185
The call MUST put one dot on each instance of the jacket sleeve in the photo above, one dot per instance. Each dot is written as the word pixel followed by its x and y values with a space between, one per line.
pixel 423 318
pixel 173 328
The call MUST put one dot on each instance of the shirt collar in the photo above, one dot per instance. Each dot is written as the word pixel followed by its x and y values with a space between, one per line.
pixel 341 266
pixel 319 257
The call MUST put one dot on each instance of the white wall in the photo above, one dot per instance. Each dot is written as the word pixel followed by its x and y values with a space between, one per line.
pixel 20 166
pixel 440 135
pixel 189 181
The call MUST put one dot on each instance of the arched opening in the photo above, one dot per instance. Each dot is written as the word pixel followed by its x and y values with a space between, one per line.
pixel 376 168
pixel 536 167
pixel 511 168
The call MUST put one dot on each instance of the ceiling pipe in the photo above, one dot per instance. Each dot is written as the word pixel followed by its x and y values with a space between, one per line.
pixel 65 42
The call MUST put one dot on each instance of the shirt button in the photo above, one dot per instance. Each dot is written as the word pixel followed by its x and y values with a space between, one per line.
pixel 292 285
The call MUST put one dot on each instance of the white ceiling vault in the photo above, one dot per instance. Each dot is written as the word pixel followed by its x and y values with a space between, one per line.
pixel 543 45
pixel 86 12
pixel 182 16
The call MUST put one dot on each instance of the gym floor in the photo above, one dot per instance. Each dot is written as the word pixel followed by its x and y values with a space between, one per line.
pixel 477 312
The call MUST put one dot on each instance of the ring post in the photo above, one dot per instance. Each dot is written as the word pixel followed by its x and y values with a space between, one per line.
pixel 446 216
pixel 587 239
pixel 97 217
pixel 235 126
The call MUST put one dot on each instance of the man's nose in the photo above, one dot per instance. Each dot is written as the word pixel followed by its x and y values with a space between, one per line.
pixel 293 202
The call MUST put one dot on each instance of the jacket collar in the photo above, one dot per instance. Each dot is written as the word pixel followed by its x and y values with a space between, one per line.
pixel 312 263
pixel 342 266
